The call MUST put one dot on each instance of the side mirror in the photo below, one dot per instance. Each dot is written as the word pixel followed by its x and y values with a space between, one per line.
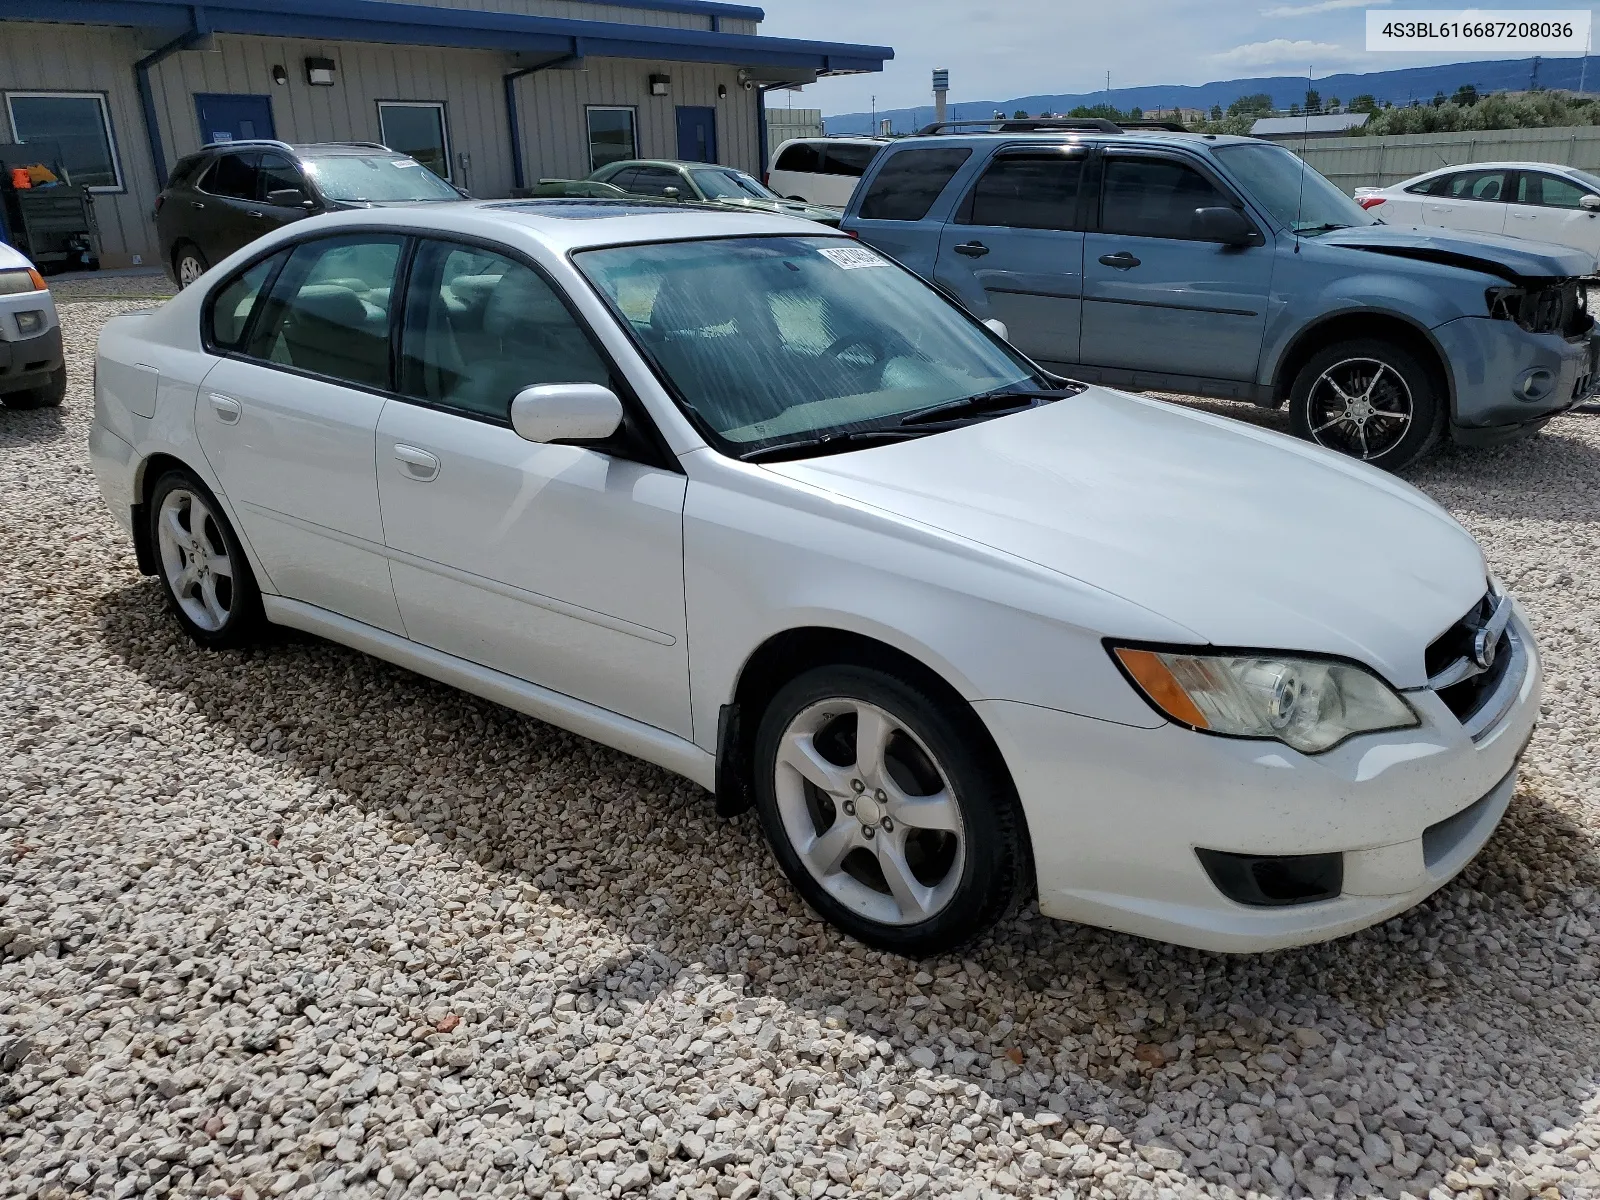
pixel 566 412
pixel 289 198
pixel 1226 225
pixel 998 328
pixel 671 193
pixel 1591 202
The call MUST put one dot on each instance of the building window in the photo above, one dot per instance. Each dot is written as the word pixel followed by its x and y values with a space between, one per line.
pixel 78 123
pixel 416 128
pixel 611 136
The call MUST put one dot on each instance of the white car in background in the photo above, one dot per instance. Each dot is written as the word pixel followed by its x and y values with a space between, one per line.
pixel 822 170
pixel 1541 201
pixel 33 373
pixel 742 497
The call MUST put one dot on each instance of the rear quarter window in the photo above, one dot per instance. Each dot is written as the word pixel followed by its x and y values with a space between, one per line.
pixel 908 183
pixel 848 159
pixel 802 157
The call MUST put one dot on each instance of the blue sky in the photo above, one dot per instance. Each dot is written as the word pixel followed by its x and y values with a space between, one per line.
pixel 1028 47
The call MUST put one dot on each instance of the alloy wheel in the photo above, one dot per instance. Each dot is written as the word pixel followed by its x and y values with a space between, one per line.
pixel 870 812
pixel 195 559
pixel 189 269
pixel 1361 407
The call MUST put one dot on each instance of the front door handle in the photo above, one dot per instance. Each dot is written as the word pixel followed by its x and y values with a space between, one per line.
pixel 196 204
pixel 256 214
pixel 972 249
pixel 228 409
pixel 1121 260
pixel 416 464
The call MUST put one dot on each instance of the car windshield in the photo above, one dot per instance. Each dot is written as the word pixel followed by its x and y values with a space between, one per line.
pixel 377 178
pixel 730 185
pixel 774 340
pixel 1291 191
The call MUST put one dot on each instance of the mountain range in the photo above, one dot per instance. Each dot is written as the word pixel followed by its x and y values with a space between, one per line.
pixel 1398 87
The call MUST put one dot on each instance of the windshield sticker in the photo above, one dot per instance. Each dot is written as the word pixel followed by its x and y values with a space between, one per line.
pixel 848 258
pixel 406 162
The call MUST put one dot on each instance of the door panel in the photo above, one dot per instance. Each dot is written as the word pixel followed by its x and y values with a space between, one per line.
pixel 1475 200
pixel 697 133
pixel 230 117
pixel 234 218
pixel 1016 252
pixel 1156 300
pixel 1549 208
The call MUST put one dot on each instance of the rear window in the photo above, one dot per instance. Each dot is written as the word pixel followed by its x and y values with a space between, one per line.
pixel 802 157
pixel 906 186
pixel 183 174
pixel 847 159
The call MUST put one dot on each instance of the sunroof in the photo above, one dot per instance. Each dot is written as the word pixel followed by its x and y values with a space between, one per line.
pixel 590 210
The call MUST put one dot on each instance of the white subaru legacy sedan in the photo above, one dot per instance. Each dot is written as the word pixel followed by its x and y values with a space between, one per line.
pixel 739 496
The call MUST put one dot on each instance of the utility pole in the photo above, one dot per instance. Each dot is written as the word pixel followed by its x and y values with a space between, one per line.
pixel 874 114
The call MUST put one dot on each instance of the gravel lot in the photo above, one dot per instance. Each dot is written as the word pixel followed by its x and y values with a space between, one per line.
pixel 293 922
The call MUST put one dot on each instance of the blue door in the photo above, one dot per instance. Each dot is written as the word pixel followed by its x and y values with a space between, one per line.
pixel 697 134
pixel 225 117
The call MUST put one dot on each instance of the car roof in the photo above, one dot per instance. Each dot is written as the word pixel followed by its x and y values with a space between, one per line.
pixel 672 163
pixel 1142 137
pixel 1435 172
pixel 303 149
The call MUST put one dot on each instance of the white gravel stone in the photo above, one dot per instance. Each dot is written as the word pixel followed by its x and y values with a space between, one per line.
pixel 291 922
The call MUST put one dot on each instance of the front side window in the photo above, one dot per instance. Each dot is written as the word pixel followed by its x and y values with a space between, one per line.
pixel 802 157
pixel 906 186
pixel 73 125
pixel 231 304
pixel 1036 191
pixel 278 174
pixel 654 181
pixel 611 136
pixel 328 312
pixel 1299 197
pixel 480 327
pixel 769 340
pixel 842 158
pixel 377 178
pixel 1154 197
pixel 234 176
pixel 417 130
pixel 1549 191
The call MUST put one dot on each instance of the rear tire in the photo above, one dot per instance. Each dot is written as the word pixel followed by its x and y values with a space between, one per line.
pixel 1371 400
pixel 188 264
pixel 46 395
pixel 914 842
pixel 202 567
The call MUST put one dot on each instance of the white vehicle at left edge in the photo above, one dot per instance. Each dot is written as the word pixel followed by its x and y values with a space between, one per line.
pixel 741 497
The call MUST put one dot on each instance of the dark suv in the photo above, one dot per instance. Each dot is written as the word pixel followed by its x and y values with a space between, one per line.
pixel 231 193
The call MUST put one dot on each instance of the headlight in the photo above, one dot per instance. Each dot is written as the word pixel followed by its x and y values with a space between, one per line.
pixel 1309 704
pixel 22 279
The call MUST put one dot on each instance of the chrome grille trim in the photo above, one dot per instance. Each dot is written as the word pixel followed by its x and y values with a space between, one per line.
pixel 1464 667
pixel 1494 709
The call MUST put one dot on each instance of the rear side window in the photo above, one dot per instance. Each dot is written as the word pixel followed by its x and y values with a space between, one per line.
pixel 234 301
pixel 183 174
pixel 1489 186
pixel 842 158
pixel 906 186
pixel 1154 197
pixel 803 157
pixel 328 313
pixel 234 176
pixel 1037 191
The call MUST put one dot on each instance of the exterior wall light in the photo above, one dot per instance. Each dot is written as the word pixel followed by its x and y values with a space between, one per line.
pixel 319 72
pixel 659 84
pixel 280 74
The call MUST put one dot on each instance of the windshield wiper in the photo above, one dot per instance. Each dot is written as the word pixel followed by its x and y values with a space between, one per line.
pixel 827 443
pixel 1325 227
pixel 986 404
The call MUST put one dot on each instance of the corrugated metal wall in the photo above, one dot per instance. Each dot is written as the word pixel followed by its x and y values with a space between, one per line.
pixel 1353 162
pixel 786 123
pixel 78 58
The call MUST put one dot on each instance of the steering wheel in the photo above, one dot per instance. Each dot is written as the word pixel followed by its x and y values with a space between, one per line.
pixel 864 341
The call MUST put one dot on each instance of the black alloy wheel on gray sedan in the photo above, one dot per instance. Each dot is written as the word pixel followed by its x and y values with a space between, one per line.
pixel 203 570
pixel 1371 400
pixel 891 813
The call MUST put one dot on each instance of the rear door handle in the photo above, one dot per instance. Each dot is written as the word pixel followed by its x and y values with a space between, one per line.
pixel 972 249
pixel 228 409
pixel 196 204
pixel 416 464
pixel 1122 260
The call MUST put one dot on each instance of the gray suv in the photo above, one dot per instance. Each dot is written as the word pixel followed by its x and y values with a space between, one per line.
pixel 1223 266
pixel 230 193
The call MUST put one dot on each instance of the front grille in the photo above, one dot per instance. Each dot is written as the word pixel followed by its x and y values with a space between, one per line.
pixel 1468 696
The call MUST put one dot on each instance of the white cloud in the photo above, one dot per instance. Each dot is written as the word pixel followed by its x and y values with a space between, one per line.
pixel 1280 51
pixel 1321 6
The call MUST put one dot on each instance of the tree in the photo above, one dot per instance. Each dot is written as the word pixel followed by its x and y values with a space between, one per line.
pixel 1466 96
pixel 1294 110
pixel 1365 102
pixel 1019 115
pixel 1332 105
pixel 1438 99
pixel 1313 100
pixel 1258 102
pixel 1216 112
pixel 1104 111
pixel 1136 113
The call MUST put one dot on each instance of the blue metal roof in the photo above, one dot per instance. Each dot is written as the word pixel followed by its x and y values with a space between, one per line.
pixel 393 23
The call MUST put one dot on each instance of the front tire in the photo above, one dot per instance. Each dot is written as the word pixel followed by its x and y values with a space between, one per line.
pixel 892 815
pixel 46 395
pixel 203 569
pixel 1369 399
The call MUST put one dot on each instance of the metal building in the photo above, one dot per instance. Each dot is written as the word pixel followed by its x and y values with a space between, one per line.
pixel 493 94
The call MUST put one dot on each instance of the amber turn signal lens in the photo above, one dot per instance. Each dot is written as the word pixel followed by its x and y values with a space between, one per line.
pixel 1158 682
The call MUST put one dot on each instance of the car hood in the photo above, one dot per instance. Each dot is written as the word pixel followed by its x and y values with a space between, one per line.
pixel 1245 537
pixel 1510 258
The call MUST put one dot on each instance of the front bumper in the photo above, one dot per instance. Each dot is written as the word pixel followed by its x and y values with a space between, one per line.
pixel 28 361
pixel 1117 814
pixel 1487 357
